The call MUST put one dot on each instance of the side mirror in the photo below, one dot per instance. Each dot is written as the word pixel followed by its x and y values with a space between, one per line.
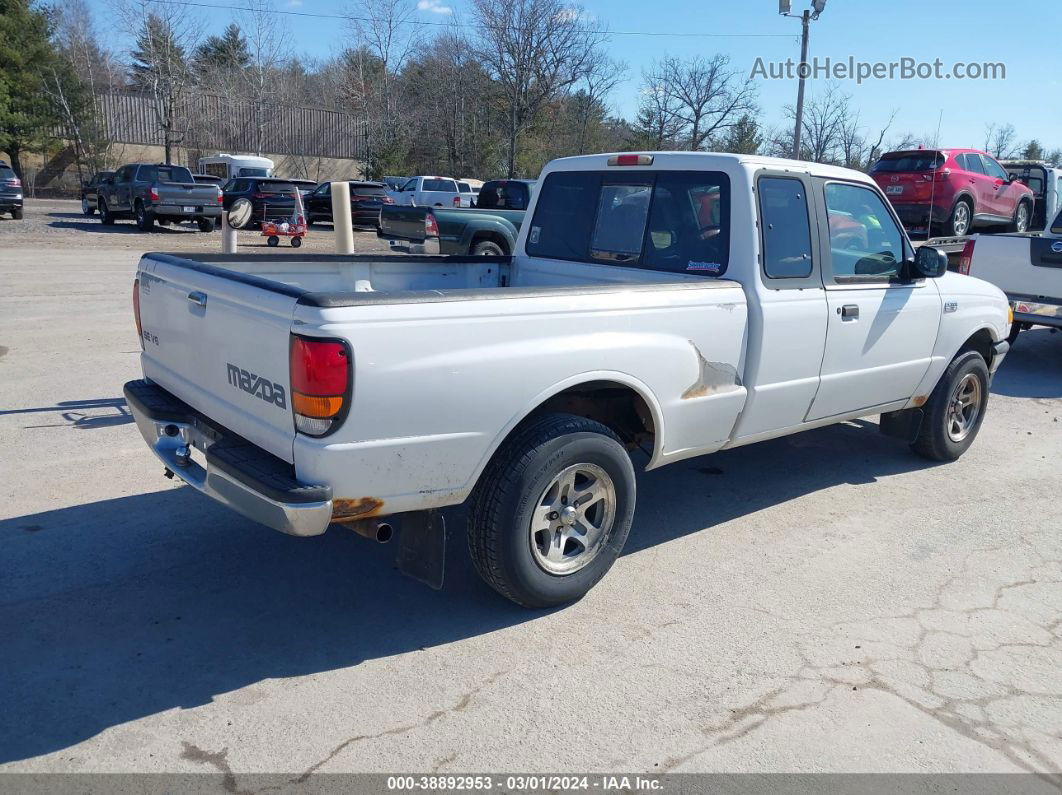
pixel 239 214
pixel 929 263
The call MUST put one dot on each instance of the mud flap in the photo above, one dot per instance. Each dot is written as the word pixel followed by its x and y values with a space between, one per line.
pixel 904 424
pixel 422 547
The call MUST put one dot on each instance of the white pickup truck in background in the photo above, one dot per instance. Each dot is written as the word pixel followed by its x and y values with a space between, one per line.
pixel 431 192
pixel 1028 268
pixel 678 302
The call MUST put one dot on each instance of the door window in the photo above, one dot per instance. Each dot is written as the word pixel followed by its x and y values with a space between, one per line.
pixel 323 188
pixel 786 228
pixel 865 242
pixel 411 185
pixel 994 169
pixel 123 174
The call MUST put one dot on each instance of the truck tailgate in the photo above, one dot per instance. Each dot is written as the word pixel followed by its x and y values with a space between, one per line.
pixel 221 345
pixel 401 222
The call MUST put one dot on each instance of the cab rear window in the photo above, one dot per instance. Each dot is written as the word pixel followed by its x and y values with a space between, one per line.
pixel 442 185
pixel 676 221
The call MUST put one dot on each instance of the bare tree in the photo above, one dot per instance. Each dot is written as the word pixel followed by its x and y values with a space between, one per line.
pixel 386 38
pixel 599 80
pixel 858 148
pixel 164 35
pixel 536 50
pixel 708 96
pixel 266 47
pixel 658 122
pixel 1001 140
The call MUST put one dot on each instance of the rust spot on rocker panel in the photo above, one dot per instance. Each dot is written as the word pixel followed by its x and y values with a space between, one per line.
pixel 711 377
pixel 919 400
pixel 345 509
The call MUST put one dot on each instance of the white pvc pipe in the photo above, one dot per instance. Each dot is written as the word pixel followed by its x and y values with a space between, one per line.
pixel 341 221
pixel 228 235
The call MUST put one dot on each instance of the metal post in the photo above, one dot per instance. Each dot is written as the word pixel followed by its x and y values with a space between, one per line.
pixel 802 73
pixel 341 221
pixel 228 235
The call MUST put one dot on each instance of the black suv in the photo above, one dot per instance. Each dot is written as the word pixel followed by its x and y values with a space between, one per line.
pixel 272 198
pixel 10 191
pixel 505 194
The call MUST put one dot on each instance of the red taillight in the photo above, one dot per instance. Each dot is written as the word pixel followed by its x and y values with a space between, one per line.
pixel 259 195
pixel 136 312
pixel 388 200
pixel 457 201
pixel 943 174
pixel 966 257
pixel 431 226
pixel 320 384
pixel 153 194
pixel 15 182
pixel 221 196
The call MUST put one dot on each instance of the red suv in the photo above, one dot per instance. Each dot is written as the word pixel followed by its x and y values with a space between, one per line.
pixel 956 189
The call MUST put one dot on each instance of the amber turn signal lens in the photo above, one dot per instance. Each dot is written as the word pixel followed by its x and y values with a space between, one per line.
pixel 316 406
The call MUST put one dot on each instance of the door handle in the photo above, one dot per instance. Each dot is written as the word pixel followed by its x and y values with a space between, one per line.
pixel 197 298
pixel 849 312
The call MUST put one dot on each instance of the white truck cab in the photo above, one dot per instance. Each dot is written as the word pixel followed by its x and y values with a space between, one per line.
pixel 679 303
pixel 231 166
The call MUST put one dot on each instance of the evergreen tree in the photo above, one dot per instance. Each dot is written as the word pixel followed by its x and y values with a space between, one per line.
pixel 1033 151
pixel 744 138
pixel 26 114
pixel 227 51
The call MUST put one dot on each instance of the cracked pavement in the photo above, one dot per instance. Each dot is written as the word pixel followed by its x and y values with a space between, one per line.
pixel 826 602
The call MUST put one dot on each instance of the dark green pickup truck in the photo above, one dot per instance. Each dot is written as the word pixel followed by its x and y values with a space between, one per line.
pixel 488 230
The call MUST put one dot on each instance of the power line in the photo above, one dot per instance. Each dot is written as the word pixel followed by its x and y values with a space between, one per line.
pixel 428 23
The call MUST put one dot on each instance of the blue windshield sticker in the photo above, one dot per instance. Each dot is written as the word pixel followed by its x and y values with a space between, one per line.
pixel 704 267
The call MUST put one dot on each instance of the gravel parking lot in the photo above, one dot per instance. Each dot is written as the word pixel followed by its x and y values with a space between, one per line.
pixel 825 602
pixel 59 222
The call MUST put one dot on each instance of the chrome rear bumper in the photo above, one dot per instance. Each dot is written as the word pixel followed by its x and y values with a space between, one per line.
pixel 235 472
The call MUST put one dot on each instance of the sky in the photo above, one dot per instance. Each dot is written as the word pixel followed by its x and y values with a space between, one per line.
pixel 1026 42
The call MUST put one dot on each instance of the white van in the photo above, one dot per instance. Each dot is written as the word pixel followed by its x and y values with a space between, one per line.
pixel 231 166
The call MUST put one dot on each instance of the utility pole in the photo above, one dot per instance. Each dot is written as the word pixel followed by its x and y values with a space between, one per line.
pixel 817 7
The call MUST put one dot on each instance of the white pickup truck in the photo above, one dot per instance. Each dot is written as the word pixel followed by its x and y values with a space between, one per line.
pixel 678 302
pixel 1028 268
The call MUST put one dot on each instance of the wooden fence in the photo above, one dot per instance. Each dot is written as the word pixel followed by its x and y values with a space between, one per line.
pixel 218 123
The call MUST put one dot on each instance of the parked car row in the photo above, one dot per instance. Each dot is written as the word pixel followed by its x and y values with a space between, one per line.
pixel 10 191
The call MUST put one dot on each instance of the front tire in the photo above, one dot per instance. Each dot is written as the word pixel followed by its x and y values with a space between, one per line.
pixel 552 510
pixel 1021 218
pixel 105 214
pixel 272 241
pixel 954 412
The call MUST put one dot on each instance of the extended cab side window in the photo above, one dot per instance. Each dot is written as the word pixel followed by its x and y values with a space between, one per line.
pixel 564 216
pixel 786 228
pixel 865 242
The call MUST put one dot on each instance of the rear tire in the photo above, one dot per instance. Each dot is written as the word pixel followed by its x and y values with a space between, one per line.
pixel 954 412
pixel 106 218
pixel 1020 223
pixel 552 510
pixel 487 248
pixel 16 213
pixel 145 220
pixel 960 222
pixel 272 241
pixel 205 224
pixel 85 209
